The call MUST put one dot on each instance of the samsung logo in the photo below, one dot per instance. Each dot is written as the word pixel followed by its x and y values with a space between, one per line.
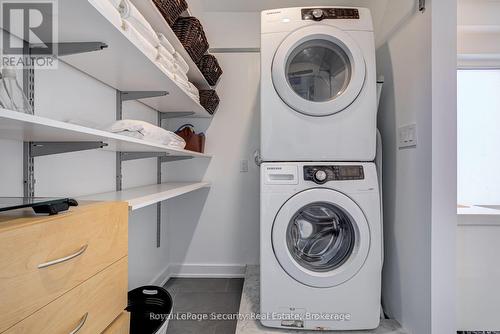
pixel 274 168
pixel 273 13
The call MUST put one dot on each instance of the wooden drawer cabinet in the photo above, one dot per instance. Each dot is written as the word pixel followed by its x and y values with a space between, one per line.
pixel 44 257
pixel 120 326
pixel 91 306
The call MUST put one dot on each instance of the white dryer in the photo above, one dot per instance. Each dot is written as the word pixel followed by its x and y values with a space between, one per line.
pixel 318 87
pixel 321 246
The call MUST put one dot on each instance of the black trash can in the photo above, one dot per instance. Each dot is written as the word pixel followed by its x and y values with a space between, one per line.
pixel 150 308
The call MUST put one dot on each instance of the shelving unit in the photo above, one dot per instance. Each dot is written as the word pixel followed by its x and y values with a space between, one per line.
pixel 96 44
pixel 121 65
pixel 153 15
pixel 28 128
pixel 141 197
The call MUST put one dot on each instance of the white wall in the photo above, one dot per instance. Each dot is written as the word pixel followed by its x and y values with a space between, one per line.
pixel 418 63
pixel 218 234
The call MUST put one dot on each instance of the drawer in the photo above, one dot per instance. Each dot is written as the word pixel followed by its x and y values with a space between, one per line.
pixel 121 325
pixel 91 306
pixel 90 239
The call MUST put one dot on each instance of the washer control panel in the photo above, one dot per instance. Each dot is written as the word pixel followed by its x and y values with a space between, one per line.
pixel 323 174
pixel 318 14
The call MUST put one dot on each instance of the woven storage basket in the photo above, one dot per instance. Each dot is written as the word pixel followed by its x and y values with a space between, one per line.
pixel 209 100
pixel 171 9
pixel 210 68
pixel 190 32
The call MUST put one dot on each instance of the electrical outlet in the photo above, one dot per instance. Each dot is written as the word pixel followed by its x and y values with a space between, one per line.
pixel 244 166
pixel 407 136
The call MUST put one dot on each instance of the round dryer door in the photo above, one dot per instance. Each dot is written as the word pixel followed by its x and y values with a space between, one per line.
pixel 318 70
pixel 321 237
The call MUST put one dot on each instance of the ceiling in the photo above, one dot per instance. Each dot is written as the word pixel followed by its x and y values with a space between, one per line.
pixel 388 15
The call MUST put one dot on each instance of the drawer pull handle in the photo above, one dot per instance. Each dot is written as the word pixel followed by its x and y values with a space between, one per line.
pixel 63 259
pixel 80 325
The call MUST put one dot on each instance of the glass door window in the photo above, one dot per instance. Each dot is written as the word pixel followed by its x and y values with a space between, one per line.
pixel 318 70
pixel 320 237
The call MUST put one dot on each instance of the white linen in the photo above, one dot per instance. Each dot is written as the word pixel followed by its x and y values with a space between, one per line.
pixel 166 43
pixel 132 15
pixel 181 74
pixel 139 41
pixel 162 52
pixel 115 3
pixel 182 62
pixel 106 8
pixel 147 131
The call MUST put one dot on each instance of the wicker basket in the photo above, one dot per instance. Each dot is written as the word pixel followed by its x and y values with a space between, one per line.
pixel 210 68
pixel 209 100
pixel 171 9
pixel 190 32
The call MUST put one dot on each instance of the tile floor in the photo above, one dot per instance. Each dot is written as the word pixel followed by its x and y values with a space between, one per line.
pixel 204 296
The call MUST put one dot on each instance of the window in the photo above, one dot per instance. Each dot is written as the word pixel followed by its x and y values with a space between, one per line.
pixel 479 137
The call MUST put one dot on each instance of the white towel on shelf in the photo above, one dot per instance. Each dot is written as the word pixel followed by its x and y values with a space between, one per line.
pixel 166 43
pixel 109 11
pixel 181 73
pixel 182 62
pixel 140 42
pixel 147 131
pixel 167 70
pixel 162 52
pixel 132 15
pixel 115 3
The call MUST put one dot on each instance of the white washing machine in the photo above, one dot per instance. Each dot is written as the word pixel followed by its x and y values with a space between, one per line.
pixel 321 246
pixel 318 87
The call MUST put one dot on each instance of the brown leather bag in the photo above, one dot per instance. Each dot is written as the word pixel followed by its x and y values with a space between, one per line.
pixel 194 142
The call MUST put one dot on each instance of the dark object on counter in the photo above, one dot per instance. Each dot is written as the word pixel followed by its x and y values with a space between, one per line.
pixel 150 308
pixel 171 9
pixel 209 100
pixel 194 142
pixel 190 32
pixel 210 68
pixel 41 205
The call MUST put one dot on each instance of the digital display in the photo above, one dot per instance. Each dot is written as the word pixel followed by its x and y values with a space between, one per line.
pixel 351 172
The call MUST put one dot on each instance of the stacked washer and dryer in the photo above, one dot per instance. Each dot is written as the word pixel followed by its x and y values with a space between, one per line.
pixel 321 229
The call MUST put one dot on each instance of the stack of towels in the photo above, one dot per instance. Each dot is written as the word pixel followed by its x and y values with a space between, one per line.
pixel 155 45
pixel 148 132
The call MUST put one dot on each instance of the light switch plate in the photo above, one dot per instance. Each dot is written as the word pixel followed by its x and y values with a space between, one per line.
pixel 244 166
pixel 407 136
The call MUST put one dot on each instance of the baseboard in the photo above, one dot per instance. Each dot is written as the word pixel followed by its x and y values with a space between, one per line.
pixel 207 270
pixel 162 278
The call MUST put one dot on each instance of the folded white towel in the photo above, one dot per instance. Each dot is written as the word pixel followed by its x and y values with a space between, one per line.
pixel 115 3
pixel 109 11
pixel 163 53
pixel 140 42
pixel 167 71
pixel 182 62
pixel 166 43
pixel 147 131
pixel 183 76
pixel 193 89
pixel 132 15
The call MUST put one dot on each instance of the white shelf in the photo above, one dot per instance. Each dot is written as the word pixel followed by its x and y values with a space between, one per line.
pixel 122 65
pixel 141 197
pixel 153 15
pixel 22 127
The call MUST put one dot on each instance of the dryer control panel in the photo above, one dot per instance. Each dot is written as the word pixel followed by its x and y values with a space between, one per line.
pixel 318 14
pixel 323 174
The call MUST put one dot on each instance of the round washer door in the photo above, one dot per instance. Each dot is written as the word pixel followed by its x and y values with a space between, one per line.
pixel 318 70
pixel 321 237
